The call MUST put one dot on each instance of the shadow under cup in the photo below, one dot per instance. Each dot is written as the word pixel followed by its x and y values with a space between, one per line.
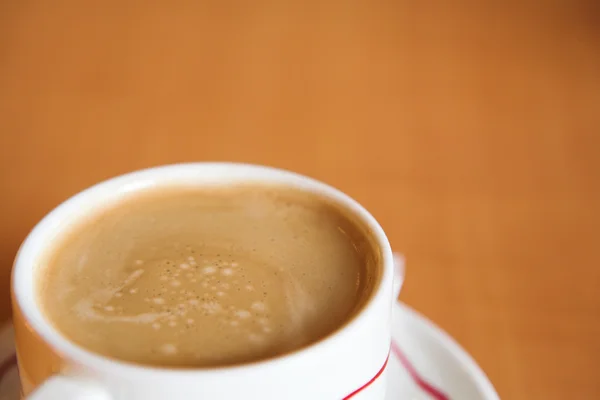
pixel 44 352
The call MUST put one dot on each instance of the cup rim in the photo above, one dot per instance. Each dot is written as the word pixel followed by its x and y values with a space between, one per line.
pixel 36 242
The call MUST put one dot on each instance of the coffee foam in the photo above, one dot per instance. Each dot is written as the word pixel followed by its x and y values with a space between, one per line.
pixel 193 278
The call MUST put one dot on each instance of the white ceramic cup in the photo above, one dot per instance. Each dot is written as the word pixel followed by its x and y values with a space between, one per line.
pixel 349 363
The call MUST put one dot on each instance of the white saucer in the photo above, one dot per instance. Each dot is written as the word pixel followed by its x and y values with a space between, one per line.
pixel 432 361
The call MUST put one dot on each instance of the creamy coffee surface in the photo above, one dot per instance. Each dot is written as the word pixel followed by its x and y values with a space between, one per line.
pixel 198 277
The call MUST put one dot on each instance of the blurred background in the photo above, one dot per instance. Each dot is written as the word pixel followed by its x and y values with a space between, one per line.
pixel 471 130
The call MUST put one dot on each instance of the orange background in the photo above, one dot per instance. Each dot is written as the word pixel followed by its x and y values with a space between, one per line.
pixel 471 131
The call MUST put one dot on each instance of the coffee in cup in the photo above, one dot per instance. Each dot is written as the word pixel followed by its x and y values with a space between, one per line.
pixel 207 276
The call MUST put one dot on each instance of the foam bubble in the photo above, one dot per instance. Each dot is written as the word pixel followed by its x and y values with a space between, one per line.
pixel 224 285
pixel 258 306
pixel 234 323
pixel 109 308
pixel 133 291
pixel 220 294
pixel 263 321
pixel 191 258
pixel 133 277
pixel 190 320
pixel 266 329
pixel 209 269
pixel 184 266
pixel 158 300
pixel 242 314
pixel 234 264
pixel 139 262
pixel 119 294
pixel 175 283
pixel 164 278
pixel 156 326
pixel 193 302
pixel 253 337
pixel 212 307
pixel 168 348
pixel 227 272
pixel 172 323
pixel 193 280
pixel 249 288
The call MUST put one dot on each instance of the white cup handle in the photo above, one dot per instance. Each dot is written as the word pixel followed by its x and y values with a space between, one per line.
pixel 399 273
pixel 68 388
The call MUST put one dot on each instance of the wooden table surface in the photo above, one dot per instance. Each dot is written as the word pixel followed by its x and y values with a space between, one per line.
pixel 471 131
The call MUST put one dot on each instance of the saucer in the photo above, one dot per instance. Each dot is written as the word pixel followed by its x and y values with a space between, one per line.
pixel 425 363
